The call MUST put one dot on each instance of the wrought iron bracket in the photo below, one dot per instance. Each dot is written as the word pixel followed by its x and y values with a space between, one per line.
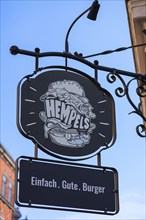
pixel 112 75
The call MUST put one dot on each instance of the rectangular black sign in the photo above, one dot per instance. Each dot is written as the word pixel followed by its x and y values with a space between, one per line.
pixel 66 186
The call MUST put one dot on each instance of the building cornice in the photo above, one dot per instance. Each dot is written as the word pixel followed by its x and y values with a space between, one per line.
pixel 138 8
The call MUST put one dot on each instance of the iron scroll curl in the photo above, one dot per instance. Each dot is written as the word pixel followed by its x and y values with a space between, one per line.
pixel 124 91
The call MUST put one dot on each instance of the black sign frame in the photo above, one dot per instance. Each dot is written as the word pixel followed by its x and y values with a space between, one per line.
pixel 76 154
pixel 105 201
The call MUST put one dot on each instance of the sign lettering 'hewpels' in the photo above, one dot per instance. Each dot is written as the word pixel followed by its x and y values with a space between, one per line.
pixel 66 114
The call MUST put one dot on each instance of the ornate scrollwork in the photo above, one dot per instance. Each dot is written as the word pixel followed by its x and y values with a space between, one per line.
pixel 138 109
pixel 124 91
pixel 111 78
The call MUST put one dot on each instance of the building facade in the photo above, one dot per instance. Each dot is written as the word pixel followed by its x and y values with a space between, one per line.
pixel 7 185
pixel 136 11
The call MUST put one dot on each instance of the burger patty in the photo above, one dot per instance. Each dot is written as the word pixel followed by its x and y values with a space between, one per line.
pixel 62 131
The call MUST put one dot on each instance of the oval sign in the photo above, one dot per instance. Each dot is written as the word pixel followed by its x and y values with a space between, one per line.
pixel 66 113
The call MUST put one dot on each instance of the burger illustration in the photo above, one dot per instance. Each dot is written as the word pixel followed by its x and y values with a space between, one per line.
pixel 67 114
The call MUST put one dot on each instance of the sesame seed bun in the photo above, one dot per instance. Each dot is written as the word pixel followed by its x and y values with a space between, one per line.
pixel 69 85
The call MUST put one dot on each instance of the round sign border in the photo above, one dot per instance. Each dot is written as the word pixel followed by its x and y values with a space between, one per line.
pixel 33 139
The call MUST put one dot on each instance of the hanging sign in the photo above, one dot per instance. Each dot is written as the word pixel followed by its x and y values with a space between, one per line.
pixel 66 186
pixel 66 113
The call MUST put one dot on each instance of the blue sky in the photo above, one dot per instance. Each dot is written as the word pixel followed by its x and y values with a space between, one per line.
pixel 43 24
